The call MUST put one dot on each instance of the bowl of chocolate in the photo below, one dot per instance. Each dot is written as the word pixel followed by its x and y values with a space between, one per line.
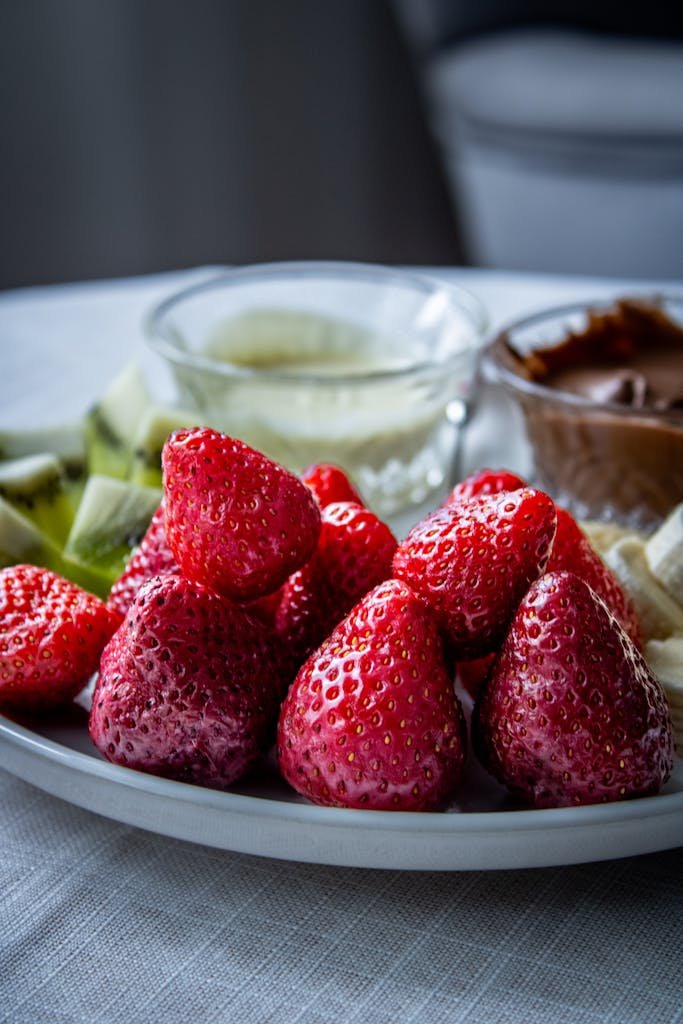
pixel 600 387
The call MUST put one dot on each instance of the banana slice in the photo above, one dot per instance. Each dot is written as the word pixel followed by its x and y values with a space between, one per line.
pixel 665 658
pixel 660 615
pixel 664 552
pixel 603 535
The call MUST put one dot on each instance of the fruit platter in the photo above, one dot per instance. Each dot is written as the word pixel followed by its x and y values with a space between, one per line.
pixel 200 642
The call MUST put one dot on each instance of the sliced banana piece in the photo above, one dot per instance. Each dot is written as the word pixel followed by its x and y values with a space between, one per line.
pixel 664 552
pixel 603 535
pixel 660 615
pixel 665 658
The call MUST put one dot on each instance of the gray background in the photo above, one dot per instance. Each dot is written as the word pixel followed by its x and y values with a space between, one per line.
pixel 143 135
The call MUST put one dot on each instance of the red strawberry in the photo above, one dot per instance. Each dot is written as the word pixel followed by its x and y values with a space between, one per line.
pixel 571 714
pixel 573 551
pixel 474 560
pixel 353 555
pixel 235 520
pixel 187 686
pixel 472 674
pixel 51 636
pixel 330 484
pixel 150 558
pixel 372 719
pixel 485 481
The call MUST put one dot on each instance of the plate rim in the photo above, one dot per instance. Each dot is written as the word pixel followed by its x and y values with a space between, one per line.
pixel 435 823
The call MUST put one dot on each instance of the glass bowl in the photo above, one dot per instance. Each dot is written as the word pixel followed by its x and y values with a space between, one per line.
pixel 615 451
pixel 368 367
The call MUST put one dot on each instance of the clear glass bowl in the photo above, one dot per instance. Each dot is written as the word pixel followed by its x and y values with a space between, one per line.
pixel 370 368
pixel 601 459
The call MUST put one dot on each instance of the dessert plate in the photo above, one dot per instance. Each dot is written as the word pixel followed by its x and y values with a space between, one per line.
pixel 482 831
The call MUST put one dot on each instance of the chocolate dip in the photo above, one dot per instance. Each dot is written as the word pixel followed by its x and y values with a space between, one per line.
pixel 629 355
pixel 603 408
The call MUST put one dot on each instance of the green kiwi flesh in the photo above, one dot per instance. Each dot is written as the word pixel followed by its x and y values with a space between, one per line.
pixel 22 542
pixel 112 518
pixel 155 426
pixel 110 426
pixel 66 442
pixel 38 487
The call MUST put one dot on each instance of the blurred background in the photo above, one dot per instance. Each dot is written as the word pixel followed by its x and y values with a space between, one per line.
pixel 145 135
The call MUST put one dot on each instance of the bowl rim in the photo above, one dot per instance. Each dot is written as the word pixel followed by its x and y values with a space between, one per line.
pixel 470 306
pixel 494 371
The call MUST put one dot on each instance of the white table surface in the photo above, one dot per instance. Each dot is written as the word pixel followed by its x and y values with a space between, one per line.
pixel 101 922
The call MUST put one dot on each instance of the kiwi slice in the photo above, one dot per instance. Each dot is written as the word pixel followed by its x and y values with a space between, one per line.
pixel 66 442
pixel 22 541
pixel 111 424
pixel 38 488
pixel 154 427
pixel 111 519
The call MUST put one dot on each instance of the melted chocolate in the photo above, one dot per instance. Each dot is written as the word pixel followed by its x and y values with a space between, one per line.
pixel 599 459
pixel 630 355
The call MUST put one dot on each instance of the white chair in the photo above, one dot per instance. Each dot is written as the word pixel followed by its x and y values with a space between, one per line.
pixel 563 148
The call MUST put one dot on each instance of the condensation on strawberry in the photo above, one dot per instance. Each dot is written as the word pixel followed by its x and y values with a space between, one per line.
pixel 187 686
pixel 571 713
pixel 472 562
pixel 485 481
pixel 354 553
pixel 329 484
pixel 572 551
pixel 371 720
pixel 571 548
pixel 51 636
pixel 235 520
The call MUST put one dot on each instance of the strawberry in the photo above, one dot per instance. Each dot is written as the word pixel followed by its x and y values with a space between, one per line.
pixel 150 558
pixel 330 484
pixel 372 720
pixel 473 561
pixel 573 551
pixel 472 674
pixel 187 686
pixel 570 713
pixel 353 555
pixel 485 481
pixel 51 636
pixel 235 520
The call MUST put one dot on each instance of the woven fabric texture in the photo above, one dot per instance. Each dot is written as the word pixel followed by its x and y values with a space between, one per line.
pixel 104 924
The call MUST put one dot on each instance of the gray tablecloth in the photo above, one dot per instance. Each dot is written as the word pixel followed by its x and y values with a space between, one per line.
pixel 100 922
pixel 104 924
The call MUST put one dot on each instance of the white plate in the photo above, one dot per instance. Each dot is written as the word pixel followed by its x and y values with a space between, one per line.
pixel 42 329
pixel 264 817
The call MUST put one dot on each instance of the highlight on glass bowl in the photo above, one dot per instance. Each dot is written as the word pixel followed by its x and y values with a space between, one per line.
pixel 600 387
pixel 364 366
